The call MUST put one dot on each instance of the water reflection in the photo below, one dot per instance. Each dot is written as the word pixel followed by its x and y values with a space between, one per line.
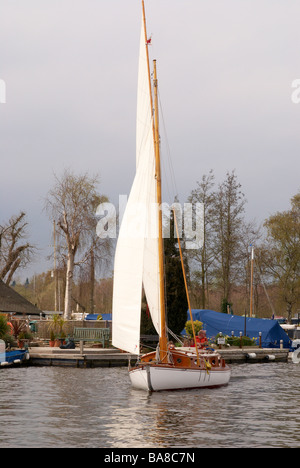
pixel 54 407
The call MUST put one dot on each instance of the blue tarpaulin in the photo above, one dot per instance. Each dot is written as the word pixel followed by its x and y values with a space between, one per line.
pixel 95 316
pixel 216 322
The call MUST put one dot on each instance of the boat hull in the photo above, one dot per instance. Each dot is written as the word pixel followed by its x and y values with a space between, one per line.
pixel 159 378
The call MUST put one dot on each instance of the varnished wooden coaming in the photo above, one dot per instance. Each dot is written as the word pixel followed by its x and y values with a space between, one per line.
pixel 184 360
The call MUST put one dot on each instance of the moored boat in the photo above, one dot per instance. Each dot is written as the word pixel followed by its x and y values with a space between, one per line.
pixel 13 358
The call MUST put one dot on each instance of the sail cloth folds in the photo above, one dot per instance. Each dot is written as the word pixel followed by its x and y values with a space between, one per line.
pixel 145 150
pixel 136 258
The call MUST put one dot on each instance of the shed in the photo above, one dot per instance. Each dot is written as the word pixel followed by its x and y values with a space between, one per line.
pixel 12 302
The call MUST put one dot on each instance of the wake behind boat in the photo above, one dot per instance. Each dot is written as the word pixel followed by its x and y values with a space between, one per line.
pixel 139 261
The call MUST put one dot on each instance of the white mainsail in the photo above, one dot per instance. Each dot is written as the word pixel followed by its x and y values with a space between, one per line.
pixel 136 259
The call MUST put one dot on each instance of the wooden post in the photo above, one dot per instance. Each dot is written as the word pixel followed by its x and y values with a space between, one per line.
pixel 260 339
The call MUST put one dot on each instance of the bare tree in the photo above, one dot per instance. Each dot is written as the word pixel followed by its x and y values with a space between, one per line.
pixel 204 257
pixel 71 203
pixel 15 252
pixel 97 253
pixel 228 219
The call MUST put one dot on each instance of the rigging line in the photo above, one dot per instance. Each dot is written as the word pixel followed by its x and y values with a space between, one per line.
pixel 171 168
pixel 175 336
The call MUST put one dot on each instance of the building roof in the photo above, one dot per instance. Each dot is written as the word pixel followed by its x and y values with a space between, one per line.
pixel 13 302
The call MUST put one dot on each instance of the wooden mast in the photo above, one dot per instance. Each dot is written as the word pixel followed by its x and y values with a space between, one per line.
pixel 163 345
pixel 163 332
pixel 148 62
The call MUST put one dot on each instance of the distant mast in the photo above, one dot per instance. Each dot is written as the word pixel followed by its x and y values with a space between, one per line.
pixel 251 287
pixel 55 268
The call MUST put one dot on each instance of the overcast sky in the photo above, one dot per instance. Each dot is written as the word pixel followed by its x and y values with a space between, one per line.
pixel 225 74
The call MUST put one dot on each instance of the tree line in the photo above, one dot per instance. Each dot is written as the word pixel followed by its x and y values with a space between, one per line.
pixel 222 266
pixel 218 272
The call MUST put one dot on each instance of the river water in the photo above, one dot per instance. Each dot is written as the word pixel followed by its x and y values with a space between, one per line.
pixel 44 407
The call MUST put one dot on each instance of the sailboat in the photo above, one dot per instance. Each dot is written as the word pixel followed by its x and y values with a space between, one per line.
pixel 139 261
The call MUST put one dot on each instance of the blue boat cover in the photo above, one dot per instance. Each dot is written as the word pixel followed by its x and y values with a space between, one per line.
pixel 94 316
pixel 216 322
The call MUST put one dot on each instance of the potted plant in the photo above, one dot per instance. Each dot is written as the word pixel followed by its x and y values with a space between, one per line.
pixel 21 340
pixel 19 327
pixel 24 336
pixel 56 329
pixel 52 339
pixel 61 336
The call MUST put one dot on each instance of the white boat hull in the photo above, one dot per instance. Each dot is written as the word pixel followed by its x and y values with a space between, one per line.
pixel 159 378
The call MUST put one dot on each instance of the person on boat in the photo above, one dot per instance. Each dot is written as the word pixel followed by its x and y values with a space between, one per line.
pixel 201 340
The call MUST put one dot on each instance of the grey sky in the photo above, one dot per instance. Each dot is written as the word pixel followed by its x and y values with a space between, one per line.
pixel 225 73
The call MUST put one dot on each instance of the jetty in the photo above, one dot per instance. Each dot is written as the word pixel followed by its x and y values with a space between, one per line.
pixel 86 358
pixel 254 355
pixel 110 357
